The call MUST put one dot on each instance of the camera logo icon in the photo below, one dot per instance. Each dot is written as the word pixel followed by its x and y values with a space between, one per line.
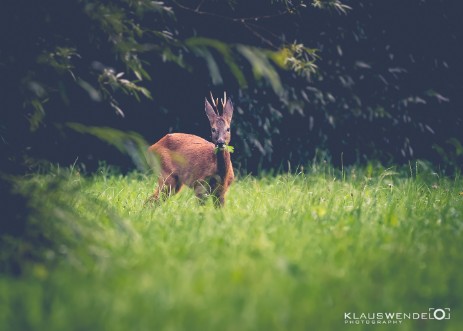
pixel 439 313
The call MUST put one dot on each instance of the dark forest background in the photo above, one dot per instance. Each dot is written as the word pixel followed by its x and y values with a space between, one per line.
pixel 351 81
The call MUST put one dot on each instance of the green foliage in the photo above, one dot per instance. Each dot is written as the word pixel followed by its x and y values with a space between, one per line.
pixel 342 83
pixel 122 23
pixel 130 143
pixel 120 46
pixel 331 4
pixel 300 59
pixel 228 148
pixel 264 62
pixel 60 59
pixel 125 27
pixel 451 153
pixel 287 252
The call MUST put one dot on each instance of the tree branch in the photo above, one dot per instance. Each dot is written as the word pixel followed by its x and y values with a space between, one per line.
pixel 233 19
pixel 258 35
pixel 199 5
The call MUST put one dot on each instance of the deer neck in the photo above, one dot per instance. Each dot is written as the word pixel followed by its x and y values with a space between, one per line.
pixel 223 162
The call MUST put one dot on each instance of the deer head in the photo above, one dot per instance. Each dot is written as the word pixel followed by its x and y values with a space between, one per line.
pixel 220 125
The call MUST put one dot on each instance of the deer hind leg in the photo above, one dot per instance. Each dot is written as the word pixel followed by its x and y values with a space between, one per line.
pixel 167 185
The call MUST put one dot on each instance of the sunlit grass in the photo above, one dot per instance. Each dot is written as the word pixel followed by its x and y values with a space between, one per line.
pixel 288 252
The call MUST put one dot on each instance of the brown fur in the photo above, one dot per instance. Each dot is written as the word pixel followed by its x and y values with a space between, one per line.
pixel 190 160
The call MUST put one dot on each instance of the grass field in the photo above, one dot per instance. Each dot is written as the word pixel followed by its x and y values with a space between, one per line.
pixel 288 252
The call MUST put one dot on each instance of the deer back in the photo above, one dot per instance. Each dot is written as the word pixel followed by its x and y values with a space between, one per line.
pixel 190 158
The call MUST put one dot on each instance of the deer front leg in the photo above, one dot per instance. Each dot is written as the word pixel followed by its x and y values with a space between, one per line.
pixel 219 201
pixel 221 189
pixel 219 195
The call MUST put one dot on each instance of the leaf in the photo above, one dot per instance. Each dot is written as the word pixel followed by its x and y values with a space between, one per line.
pixel 261 66
pixel 93 93
pixel 118 110
pixel 228 148
pixel 145 92
pixel 331 4
pixel 130 143
pixel 225 50
pixel 212 66
pixel 458 146
pixel 38 115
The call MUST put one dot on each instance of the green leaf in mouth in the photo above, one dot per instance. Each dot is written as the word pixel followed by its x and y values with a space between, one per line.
pixel 228 148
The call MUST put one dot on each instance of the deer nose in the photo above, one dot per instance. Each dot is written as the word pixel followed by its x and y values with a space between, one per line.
pixel 220 143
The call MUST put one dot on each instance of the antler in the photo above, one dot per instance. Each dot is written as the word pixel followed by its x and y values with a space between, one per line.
pixel 214 103
pixel 224 100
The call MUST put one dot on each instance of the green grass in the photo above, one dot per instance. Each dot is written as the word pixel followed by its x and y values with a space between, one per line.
pixel 288 252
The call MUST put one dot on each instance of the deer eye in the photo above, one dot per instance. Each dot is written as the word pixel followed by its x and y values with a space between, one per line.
pixel 214 130
pixel 228 129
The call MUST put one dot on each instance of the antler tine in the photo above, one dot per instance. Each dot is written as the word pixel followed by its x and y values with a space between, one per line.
pixel 216 110
pixel 224 100
pixel 212 98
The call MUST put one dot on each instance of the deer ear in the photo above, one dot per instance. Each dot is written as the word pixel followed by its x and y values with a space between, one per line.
pixel 228 111
pixel 210 112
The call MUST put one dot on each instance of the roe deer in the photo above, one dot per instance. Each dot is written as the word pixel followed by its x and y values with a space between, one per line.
pixel 190 160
